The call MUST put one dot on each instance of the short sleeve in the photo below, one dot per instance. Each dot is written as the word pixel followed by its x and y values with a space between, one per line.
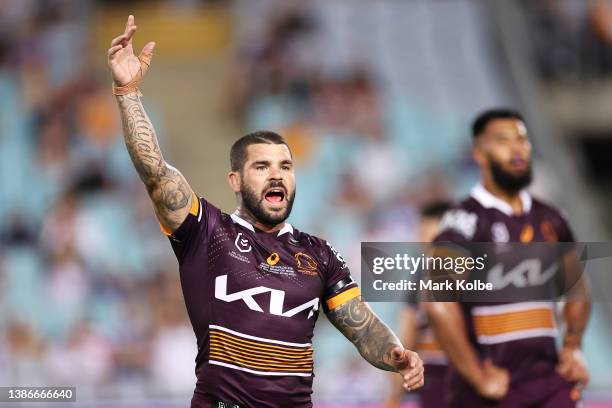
pixel 339 285
pixel 195 229
pixel 560 231
pixel 566 234
pixel 458 226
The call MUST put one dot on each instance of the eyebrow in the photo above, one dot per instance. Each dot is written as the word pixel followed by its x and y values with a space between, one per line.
pixel 258 162
pixel 268 162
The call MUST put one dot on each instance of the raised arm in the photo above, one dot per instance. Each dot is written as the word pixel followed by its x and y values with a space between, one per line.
pixel 171 194
pixel 376 343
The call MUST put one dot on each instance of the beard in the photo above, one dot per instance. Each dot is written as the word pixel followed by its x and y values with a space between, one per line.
pixel 509 182
pixel 254 205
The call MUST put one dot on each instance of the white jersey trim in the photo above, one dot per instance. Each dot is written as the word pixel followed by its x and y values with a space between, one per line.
pixel 248 370
pixel 238 220
pixel 517 335
pixel 488 200
pixel 248 336
pixel 242 222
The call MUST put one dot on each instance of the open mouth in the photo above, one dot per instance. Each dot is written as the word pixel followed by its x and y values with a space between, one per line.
pixel 275 195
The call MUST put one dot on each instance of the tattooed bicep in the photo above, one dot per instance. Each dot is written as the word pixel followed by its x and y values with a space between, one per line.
pixel 172 197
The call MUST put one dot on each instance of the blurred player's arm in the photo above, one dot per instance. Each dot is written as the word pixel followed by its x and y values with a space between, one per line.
pixel 171 194
pixel 577 308
pixel 447 321
pixel 408 337
pixel 376 343
pixel 576 312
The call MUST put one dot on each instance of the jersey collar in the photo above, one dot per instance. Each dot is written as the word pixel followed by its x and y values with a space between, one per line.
pixel 488 200
pixel 238 220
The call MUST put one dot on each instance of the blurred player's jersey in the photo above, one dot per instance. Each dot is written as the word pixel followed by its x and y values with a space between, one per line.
pixel 435 362
pixel 426 344
pixel 517 336
pixel 253 299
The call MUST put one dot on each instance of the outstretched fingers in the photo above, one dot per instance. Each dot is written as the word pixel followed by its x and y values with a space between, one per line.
pixel 129 24
pixel 120 39
pixel 124 38
pixel 130 29
pixel 113 50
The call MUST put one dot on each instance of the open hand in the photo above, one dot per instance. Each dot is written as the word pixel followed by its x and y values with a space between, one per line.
pixel 125 66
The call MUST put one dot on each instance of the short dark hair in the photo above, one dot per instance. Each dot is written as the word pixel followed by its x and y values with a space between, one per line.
pixel 435 209
pixel 238 152
pixel 482 120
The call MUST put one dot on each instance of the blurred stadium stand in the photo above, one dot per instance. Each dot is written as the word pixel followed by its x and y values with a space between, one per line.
pixel 375 99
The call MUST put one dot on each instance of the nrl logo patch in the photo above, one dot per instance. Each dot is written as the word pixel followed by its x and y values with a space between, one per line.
pixel 242 244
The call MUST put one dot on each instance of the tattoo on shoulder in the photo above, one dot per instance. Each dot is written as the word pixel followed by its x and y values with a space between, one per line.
pixel 374 340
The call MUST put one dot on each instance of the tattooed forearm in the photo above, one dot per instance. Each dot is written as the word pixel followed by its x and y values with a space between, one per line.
pixel 374 340
pixel 166 186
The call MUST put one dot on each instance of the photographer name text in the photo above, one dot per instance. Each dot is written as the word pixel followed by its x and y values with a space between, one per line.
pixel 428 284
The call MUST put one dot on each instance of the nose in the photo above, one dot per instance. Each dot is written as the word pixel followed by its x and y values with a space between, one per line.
pixel 518 147
pixel 275 173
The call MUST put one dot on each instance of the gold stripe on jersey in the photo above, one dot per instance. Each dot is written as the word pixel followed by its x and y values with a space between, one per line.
pixel 258 355
pixel 246 357
pixel 255 349
pixel 342 298
pixel 291 350
pixel 194 210
pixel 429 345
pixel 504 323
pixel 165 230
pixel 195 205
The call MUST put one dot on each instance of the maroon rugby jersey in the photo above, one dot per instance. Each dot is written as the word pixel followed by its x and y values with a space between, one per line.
pixel 517 336
pixel 253 300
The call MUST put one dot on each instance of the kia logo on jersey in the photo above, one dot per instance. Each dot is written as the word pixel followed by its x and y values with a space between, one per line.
pixel 242 244
pixel 277 299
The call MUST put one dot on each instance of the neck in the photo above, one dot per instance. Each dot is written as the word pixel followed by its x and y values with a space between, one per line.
pixel 513 199
pixel 250 218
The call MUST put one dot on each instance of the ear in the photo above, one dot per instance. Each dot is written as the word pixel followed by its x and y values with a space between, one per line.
pixel 478 154
pixel 233 178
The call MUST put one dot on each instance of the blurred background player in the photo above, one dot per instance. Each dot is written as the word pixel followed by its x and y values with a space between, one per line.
pixel 415 331
pixel 504 355
pixel 252 351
